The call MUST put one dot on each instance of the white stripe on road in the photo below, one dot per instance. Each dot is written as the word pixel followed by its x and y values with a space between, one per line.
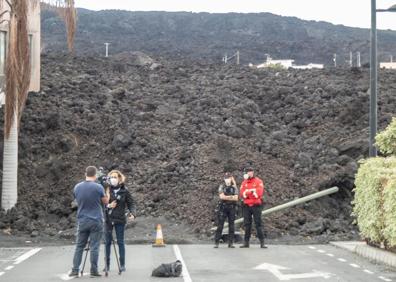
pixel 185 274
pixel 330 255
pixel 9 267
pixel 354 265
pixel 1 273
pixel 368 271
pixel 321 251
pixel 342 260
pixel 312 247
pixel 27 255
pixel 385 279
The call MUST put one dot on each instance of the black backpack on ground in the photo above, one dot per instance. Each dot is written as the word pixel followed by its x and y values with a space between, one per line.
pixel 173 269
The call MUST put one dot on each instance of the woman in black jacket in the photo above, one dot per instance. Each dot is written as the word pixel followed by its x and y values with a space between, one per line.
pixel 121 202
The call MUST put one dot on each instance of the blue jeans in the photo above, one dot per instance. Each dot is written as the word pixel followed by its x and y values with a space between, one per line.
pixel 119 230
pixel 88 229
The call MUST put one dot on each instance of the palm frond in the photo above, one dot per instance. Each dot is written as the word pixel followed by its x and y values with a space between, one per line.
pixel 67 12
pixel 17 64
pixel 18 70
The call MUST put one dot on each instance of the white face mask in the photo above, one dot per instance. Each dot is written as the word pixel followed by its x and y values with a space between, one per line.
pixel 113 181
pixel 246 176
pixel 227 182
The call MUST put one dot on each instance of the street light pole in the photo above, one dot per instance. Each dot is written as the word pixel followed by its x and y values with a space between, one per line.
pixel 373 81
pixel 374 75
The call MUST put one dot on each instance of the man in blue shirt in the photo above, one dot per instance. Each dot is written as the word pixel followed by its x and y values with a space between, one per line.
pixel 90 198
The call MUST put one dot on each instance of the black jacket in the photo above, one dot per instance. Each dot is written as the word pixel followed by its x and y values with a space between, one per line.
pixel 125 203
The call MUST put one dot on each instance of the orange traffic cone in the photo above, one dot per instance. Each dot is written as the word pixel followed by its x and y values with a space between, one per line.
pixel 159 239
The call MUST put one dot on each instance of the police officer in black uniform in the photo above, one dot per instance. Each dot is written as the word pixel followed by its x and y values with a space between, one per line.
pixel 228 193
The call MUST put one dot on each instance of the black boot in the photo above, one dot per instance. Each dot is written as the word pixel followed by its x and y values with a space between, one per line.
pixel 231 245
pixel 216 245
pixel 245 245
pixel 262 245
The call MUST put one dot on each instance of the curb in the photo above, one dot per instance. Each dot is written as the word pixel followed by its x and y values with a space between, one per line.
pixel 371 253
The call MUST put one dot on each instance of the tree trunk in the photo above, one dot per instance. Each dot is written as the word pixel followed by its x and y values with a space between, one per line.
pixel 9 195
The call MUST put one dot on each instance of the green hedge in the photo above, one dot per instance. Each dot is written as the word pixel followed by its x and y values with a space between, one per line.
pixel 367 205
pixel 374 205
pixel 390 211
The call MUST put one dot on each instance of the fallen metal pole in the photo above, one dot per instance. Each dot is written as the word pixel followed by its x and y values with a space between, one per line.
pixel 290 204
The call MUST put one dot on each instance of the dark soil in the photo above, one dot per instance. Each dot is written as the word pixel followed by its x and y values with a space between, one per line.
pixel 174 127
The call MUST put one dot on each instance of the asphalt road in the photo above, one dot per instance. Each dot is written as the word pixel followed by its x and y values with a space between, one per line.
pixel 314 263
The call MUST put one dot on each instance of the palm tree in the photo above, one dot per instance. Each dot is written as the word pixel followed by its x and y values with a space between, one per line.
pixel 17 81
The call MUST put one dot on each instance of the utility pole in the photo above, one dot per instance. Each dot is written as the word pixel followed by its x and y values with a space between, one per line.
pixel 225 58
pixel 335 60
pixel 350 59
pixel 237 55
pixel 373 81
pixel 107 49
pixel 358 59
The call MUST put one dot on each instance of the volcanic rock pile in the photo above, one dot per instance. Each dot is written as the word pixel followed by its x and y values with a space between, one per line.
pixel 175 127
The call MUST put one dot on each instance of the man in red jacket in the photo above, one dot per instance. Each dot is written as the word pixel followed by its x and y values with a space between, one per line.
pixel 251 192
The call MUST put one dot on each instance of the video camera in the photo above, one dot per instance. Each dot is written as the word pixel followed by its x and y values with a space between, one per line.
pixel 102 178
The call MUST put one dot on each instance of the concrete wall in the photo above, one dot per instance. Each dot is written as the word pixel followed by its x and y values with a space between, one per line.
pixel 35 34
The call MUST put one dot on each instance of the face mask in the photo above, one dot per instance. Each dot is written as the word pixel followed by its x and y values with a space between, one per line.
pixel 227 182
pixel 113 181
pixel 246 176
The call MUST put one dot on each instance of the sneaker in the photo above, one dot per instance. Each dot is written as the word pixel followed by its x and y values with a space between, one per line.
pixel 96 274
pixel 122 268
pixel 73 274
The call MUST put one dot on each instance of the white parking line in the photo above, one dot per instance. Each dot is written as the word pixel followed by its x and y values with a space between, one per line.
pixel 330 255
pixel 321 251
pixel 9 267
pixel 312 247
pixel 368 271
pixel 354 265
pixel 27 255
pixel 185 274
pixel 341 260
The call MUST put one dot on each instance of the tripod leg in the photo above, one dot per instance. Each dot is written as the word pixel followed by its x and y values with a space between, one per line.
pixel 85 259
pixel 105 261
pixel 118 260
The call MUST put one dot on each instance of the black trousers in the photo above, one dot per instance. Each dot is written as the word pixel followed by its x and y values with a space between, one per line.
pixel 248 213
pixel 226 211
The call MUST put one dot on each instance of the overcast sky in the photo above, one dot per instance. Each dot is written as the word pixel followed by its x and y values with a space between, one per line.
pixel 354 13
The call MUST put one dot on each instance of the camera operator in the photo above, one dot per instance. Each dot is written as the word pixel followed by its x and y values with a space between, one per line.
pixel 228 193
pixel 90 197
pixel 121 200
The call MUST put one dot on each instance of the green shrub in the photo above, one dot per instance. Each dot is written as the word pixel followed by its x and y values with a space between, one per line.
pixel 386 140
pixel 368 206
pixel 390 211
